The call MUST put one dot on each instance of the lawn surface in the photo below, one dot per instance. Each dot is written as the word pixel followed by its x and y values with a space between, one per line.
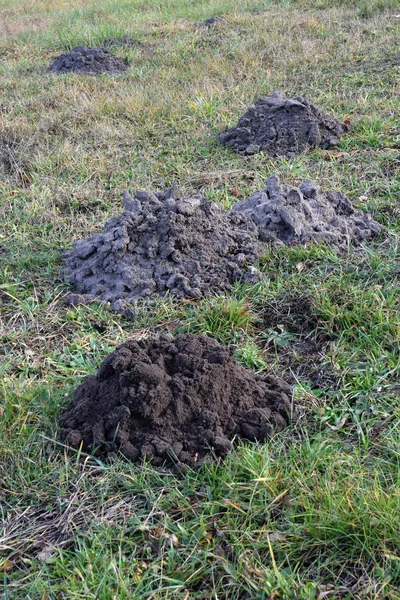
pixel 315 513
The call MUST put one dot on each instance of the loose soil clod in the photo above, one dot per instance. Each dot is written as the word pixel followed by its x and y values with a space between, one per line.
pixel 164 243
pixel 173 401
pixel 281 126
pixel 89 61
pixel 298 215
pixel 211 21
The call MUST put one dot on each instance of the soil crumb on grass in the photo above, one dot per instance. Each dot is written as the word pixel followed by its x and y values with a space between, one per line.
pixel 89 61
pixel 282 126
pixel 173 401
pixel 307 214
pixel 164 243
pixel 211 21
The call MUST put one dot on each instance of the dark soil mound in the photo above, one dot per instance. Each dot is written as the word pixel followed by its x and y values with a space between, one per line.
pixel 123 42
pixel 281 126
pixel 298 215
pixel 173 401
pixel 88 61
pixel 163 243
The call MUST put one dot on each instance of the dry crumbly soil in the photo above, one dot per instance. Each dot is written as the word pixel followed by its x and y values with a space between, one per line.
pixel 297 215
pixel 88 61
pixel 173 401
pixel 189 247
pixel 163 244
pixel 283 126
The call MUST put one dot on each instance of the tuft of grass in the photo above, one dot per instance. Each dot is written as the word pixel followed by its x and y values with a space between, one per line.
pixel 228 319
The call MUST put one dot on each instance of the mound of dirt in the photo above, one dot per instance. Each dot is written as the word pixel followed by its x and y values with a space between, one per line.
pixel 298 215
pixel 164 243
pixel 88 61
pixel 281 126
pixel 173 401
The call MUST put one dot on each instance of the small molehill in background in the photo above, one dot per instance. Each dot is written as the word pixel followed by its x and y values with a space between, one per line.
pixel 282 126
pixel 89 61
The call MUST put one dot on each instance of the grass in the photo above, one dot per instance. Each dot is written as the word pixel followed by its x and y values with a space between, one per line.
pixel 312 514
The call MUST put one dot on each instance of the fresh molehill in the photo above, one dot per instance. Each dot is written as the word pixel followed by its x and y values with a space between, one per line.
pixel 282 126
pixel 89 61
pixel 174 402
pixel 307 213
pixel 164 243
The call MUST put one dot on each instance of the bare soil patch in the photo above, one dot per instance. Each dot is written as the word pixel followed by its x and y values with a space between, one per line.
pixel 292 332
pixel 211 22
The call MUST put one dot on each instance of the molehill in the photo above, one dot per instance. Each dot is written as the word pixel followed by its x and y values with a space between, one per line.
pixel 88 61
pixel 281 126
pixel 173 401
pixel 164 243
pixel 308 213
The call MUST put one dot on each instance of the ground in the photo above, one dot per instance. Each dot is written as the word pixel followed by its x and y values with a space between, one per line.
pixel 314 513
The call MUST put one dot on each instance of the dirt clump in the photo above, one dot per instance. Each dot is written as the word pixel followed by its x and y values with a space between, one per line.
pixel 164 243
pixel 297 215
pixel 89 61
pixel 211 21
pixel 173 401
pixel 282 126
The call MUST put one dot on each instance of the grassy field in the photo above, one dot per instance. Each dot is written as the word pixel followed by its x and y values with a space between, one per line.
pixel 313 514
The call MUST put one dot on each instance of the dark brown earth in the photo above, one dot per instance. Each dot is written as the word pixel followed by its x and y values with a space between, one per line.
pixel 7 160
pixel 174 402
pixel 282 126
pixel 89 61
